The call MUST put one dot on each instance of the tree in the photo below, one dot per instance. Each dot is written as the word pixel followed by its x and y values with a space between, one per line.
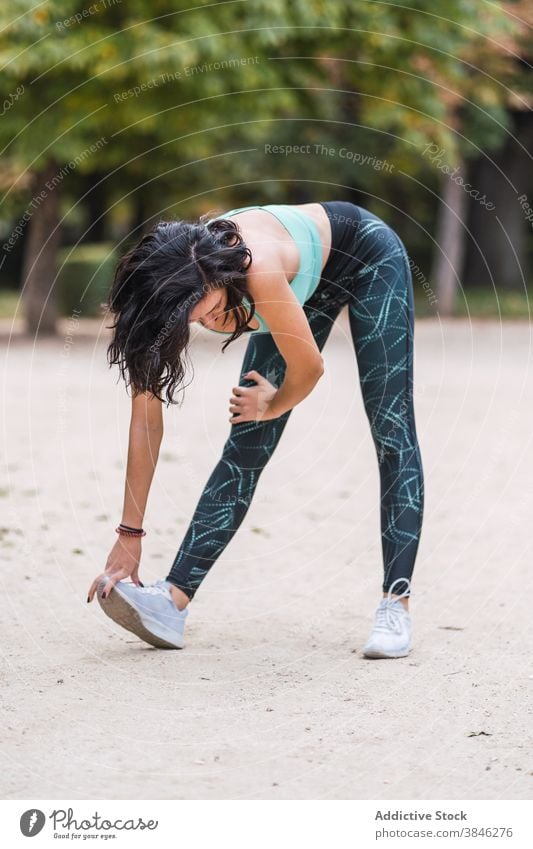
pixel 149 95
pixel 83 77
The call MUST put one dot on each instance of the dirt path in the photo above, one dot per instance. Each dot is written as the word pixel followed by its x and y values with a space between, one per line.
pixel 271 698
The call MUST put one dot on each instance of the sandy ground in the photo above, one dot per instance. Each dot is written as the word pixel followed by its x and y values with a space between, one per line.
pixel 271 697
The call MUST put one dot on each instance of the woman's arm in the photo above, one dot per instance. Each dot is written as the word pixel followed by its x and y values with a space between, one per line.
pixel 145 435
pixel 294 339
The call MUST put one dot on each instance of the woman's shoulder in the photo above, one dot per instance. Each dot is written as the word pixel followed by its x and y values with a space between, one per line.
pixel 266 267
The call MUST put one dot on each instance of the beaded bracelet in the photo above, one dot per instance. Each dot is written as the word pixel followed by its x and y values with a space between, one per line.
pixel 127 531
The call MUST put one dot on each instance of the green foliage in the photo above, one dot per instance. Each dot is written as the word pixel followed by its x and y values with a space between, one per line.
pixel 484 303
pixel 175 89
pixel 84 277
pixel 9 303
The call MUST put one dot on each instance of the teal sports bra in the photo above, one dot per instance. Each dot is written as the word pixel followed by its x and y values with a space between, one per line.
pixel 305 233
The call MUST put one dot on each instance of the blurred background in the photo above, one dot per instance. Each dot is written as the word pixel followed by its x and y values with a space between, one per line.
pixel 116 114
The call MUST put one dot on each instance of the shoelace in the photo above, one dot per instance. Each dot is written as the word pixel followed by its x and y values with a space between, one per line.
pixel 389 614
pixel 388 618
pixel 160 589
pixel 156 589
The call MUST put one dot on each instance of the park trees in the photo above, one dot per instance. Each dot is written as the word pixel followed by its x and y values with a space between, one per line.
pixel 170 107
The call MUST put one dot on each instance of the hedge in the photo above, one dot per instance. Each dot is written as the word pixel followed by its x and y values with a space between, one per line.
pixel 84 277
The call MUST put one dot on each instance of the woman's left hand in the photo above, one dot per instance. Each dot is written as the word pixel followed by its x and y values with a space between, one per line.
pixel 252 403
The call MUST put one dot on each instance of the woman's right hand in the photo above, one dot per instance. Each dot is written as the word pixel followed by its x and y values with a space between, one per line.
pixel 123 562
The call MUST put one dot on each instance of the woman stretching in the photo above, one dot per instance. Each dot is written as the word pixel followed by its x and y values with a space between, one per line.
pixel 299 265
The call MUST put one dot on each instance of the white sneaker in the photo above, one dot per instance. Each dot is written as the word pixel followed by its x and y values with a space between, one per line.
pixel 392 632
pixel 148 612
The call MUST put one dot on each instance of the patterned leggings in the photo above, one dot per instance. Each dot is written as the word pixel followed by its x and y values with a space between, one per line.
pixel 367 268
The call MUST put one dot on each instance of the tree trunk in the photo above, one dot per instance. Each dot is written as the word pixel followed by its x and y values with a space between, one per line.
pixel 95 190
pixel 449 251
pixel 40 255
pixel 143 218
pixel 497 254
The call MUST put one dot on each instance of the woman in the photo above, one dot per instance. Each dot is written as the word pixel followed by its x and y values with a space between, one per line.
pixel 280 273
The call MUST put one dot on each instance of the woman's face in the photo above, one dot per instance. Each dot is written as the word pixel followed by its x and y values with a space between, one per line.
pixel 210 308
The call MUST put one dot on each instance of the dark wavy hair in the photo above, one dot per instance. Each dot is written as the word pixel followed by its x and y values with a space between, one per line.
pixel 155 288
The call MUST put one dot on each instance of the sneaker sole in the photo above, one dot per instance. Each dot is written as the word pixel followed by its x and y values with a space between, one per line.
pixel 121 611
pixel 378 655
